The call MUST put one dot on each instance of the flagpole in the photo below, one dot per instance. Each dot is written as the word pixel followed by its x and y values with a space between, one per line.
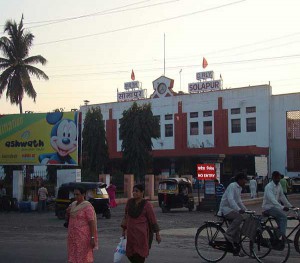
pixel 164 54
pixel 180 78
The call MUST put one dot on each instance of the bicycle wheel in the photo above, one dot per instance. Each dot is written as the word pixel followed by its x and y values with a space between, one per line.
pixel 261 246
pixel 268 240
pixel 207 239
pixel 297 241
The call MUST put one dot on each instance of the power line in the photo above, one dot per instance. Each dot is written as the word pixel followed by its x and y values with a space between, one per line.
pixel 184 66
pixel 105 12
pixel 144 24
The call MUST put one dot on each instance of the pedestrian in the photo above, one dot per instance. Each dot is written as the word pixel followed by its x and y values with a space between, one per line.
pixel 253 187
pixel 284 185
pixel 42 194
pixel 82 229
pixel 3 198
pixel 232 208
pixel 138 225
pixel 220 189
pixel 111 190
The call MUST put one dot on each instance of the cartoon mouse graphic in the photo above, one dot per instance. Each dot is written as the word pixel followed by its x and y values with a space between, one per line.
pixel 63 139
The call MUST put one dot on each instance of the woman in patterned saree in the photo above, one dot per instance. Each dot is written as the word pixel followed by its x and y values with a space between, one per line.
pixel 82 229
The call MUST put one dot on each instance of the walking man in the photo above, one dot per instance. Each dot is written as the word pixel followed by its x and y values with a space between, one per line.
pixel 253 187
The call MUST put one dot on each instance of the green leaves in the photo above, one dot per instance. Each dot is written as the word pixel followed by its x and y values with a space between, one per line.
pixel 94 145
pixel 15 67
pixel 137 128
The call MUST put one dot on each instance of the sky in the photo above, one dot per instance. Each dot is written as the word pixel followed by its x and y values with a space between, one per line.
pixel 93 45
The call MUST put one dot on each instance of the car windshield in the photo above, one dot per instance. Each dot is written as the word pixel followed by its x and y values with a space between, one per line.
pixel 167 186
pixel 101 191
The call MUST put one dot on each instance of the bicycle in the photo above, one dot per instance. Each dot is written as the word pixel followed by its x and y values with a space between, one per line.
pixel 296 216
pixel 262 243
pixel 211 244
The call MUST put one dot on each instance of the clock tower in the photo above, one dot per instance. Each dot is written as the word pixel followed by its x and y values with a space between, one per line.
pixel 163 87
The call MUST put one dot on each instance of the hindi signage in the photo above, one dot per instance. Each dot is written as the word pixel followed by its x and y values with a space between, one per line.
pixel 132 85
pixel 131 95
pixel 206 171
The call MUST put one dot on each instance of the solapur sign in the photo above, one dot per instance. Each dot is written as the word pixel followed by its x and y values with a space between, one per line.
pixel 39 138
pixel 206 171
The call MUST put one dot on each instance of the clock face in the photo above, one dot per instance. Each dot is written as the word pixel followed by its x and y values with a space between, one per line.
pixel 162 88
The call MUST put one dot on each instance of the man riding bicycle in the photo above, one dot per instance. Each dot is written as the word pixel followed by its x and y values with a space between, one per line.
pixel 273 197
pixel 232 207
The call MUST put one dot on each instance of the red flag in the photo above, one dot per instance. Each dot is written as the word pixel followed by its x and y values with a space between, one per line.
pixel 132 75
pixel 204 63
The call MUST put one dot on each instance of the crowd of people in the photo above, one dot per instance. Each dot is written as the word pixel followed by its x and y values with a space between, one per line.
pixel 139 224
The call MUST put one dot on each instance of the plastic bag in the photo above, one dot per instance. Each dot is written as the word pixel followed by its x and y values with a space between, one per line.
pixel 120 250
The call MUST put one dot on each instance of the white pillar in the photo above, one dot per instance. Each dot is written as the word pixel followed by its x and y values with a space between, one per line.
pixel 18 183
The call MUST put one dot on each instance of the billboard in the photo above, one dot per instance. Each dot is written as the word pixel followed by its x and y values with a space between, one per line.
pixel 39 139
pixel 206 171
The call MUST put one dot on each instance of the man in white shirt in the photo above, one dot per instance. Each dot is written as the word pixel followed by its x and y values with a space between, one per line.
pixel 271 204
pixel 253 187
pixel 232 207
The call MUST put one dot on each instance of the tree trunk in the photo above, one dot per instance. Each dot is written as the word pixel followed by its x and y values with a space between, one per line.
pixel 20 106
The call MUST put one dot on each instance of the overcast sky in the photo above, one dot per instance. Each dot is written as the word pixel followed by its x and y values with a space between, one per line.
pixel 92 45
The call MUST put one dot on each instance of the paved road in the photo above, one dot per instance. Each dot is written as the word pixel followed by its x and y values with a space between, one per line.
pixel 33 237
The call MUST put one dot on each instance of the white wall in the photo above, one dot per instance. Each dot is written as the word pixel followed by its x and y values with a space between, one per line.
pixel 280 105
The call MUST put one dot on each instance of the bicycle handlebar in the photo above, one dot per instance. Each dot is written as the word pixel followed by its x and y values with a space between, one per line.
pixel 250 212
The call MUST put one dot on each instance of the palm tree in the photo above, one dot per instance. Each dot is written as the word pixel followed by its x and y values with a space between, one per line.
pixel 16 66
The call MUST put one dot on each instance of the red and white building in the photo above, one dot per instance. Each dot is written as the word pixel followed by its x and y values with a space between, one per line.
pixel 241 129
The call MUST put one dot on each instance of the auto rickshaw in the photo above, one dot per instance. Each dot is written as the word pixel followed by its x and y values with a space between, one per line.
pixel 96 194
pixel 175 193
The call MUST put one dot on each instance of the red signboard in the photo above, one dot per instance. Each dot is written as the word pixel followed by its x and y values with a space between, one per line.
pixel 206 171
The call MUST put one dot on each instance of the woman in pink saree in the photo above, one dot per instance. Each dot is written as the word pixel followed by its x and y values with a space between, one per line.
pixel 82 229
pixel 139 223
pixel 111 190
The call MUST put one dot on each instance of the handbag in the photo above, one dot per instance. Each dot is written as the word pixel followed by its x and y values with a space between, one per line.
pixel 120 250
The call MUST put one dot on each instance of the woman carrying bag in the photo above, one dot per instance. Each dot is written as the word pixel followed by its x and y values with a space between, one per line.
pixel 138 225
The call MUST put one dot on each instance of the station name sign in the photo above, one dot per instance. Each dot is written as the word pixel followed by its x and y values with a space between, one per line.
pixel 205 75
pixel 131 95
pixel 132 85
pixel 206 171
pixel 206 83
pixel 204 86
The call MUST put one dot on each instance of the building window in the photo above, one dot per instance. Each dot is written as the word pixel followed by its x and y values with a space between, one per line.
pixel 157 117
pixel 235 125
pixel 168 117
pixel 250 109
pixel 235 111
pixel 251 124
pixel 207 127
pixel 207 113
pixel 168 130
pixel 293 140
pixel 194 128
pixel 193 114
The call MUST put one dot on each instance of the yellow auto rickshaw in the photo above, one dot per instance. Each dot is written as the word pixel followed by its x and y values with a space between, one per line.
pixel 175 193
pixel 96 194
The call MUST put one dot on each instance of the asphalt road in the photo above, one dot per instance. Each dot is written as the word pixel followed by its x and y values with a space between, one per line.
pixel 33 237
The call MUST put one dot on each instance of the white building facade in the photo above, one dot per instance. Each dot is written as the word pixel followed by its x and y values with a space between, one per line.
pixel 229 127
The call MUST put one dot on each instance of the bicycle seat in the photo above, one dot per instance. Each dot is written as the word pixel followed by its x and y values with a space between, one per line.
pixel 265 214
